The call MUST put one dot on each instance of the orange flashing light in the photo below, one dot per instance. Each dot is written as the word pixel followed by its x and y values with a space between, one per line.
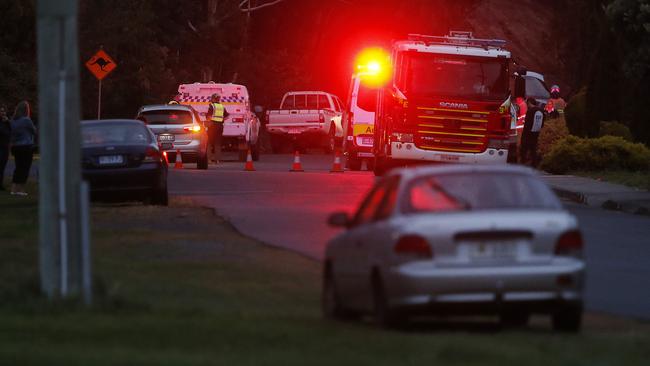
pixel 374 67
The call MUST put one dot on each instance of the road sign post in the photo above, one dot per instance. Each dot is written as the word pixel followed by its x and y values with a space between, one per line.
pixel 100 65
pixel 60 202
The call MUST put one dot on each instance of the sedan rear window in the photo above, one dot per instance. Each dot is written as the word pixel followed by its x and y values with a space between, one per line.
pixel 115 133
pixel 166 117
pixel 478 191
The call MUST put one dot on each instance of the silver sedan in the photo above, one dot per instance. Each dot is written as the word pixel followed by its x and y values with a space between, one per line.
pixel 457 240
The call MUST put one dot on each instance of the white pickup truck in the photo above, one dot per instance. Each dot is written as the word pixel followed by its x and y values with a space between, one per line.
pixel 308 118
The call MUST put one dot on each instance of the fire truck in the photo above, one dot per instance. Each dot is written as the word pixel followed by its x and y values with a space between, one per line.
pixel 447 101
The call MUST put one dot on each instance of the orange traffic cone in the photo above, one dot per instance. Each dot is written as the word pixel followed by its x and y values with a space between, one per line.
pixel 297 166
pixel 179 160
pixel 336 167
pixel 249 162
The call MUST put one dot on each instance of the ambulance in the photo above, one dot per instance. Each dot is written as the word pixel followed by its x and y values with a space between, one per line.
pixel 359 122
pixel 241 127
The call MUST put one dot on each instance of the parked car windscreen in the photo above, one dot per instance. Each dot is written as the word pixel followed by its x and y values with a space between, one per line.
pixel 114 134
pixel 478 191
pixel 166 117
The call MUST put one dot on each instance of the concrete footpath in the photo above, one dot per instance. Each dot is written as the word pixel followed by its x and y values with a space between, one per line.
pixel 605 195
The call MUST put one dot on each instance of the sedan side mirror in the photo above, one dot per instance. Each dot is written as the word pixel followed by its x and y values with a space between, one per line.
pixel 339 219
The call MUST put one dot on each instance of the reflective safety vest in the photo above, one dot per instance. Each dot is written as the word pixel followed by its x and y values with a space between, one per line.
pixel 217 112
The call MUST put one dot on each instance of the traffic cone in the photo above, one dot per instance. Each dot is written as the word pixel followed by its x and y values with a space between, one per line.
pixel 297 166
pixel 336 167
pixel 249 162
pixel 179 160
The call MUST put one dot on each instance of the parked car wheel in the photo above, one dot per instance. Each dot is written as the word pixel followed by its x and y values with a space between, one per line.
pixel 330 142
pixel 330 301
pixel 385 317
pixel 568 319
pixel 514 319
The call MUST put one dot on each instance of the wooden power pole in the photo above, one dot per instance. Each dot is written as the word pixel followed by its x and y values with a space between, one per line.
pixel 61 203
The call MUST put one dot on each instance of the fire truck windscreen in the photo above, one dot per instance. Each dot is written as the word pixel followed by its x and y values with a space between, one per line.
pixel 436 75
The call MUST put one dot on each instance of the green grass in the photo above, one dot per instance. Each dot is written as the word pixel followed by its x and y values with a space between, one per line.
pixel 177 286
pixel 633 179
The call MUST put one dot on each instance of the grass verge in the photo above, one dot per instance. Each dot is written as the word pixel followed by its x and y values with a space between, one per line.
pixel 639 180
pixel 178 286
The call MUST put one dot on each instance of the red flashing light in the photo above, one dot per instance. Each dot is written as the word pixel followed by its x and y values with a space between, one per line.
pixel 374 67
pixel 173 116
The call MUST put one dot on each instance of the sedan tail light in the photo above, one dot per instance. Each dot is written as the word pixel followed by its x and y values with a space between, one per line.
pixel 151 155
pixel 195 128
pixel 413 245
pixel 570 244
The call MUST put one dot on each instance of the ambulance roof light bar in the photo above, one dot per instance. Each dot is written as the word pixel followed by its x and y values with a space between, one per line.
pixel 458 38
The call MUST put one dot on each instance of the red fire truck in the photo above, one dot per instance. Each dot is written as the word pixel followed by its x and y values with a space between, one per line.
pixel 448 100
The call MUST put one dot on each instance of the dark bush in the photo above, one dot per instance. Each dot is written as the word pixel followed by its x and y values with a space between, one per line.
pixel 614 128
pixel 603 153
pixel 576 113
pixel 554 130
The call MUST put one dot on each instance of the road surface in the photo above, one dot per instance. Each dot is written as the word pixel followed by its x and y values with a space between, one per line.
pixel 289 210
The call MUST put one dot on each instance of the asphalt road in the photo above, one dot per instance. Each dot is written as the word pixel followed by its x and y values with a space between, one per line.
pixel 289 210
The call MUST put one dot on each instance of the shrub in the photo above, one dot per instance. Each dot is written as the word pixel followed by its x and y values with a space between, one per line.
pixel 554 130
pixel 604 153
pixel 576 113
pixel 614 128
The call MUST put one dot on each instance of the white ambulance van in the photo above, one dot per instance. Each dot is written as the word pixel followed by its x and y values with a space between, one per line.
pixel 241 127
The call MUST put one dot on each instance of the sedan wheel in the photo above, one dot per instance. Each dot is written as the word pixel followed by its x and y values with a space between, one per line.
pixel 568 319
pixel 330 302
pixel 385 317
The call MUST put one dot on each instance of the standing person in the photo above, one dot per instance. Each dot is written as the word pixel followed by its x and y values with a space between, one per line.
pixel 5 139
pixel 23 132
pixel 556 103
pixel 532 126
pixel 216 114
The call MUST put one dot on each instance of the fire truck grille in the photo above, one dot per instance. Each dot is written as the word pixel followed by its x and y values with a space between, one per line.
pixel 451 130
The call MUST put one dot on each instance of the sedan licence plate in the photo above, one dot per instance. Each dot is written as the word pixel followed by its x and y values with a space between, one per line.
pixel 166 138
pixel 111 160
pixel 493 251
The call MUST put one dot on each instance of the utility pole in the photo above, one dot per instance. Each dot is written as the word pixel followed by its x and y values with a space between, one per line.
pixel 60 200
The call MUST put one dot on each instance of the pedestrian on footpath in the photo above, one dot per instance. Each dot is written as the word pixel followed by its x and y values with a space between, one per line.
pixel 5 139
pixel 216 114
pixel 23 133
pixel 532 126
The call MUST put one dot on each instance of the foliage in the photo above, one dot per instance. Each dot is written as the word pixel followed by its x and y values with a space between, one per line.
pixel 603 153
pixel 613 128
pixel 575 113
pixel 554 130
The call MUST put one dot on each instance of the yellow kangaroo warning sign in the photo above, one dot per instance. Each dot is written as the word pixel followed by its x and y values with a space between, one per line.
pixel 101 64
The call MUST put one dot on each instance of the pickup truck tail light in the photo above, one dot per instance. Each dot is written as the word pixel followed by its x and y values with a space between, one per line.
pixel 321 118
pixel 570 244
pixel 413 245
pixel 237 120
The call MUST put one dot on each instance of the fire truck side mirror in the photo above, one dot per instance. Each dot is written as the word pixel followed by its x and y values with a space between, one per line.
pixel 520 87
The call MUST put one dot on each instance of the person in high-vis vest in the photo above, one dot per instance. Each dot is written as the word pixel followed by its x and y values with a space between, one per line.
pixel 216 115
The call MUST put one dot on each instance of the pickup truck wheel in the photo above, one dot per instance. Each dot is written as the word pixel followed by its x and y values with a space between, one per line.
pixel 276 144
pixel 330 144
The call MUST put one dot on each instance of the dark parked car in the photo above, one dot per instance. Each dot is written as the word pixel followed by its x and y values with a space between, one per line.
pixel 122 156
